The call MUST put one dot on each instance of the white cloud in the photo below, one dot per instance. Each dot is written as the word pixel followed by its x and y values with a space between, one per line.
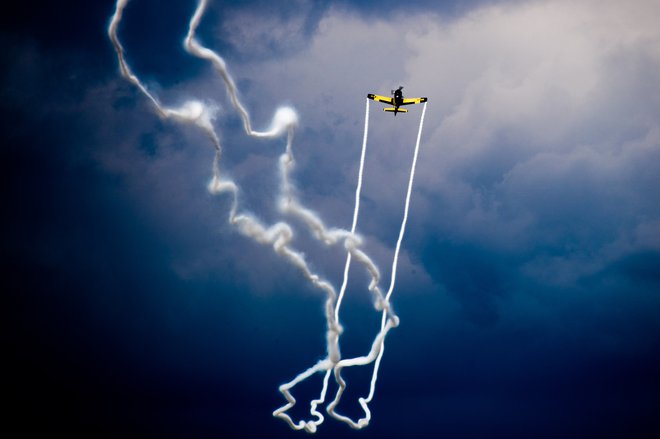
pixel 265 31
pixel 534 108
pixel 541 128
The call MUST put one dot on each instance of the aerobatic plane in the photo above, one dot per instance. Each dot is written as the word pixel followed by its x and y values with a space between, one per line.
pixel 397 100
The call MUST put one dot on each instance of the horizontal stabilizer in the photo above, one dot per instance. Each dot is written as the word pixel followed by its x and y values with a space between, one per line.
pixel 392 109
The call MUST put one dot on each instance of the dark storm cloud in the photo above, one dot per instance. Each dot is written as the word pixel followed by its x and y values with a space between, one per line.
pixel 529 284
pixel 535 199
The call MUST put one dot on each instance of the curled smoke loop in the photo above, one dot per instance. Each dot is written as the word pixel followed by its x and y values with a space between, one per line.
pixel 280 236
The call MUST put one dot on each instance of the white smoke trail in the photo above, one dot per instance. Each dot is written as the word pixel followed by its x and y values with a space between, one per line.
pixel 356 210
pixel 387 321
pixel 311 426
pixel 280 235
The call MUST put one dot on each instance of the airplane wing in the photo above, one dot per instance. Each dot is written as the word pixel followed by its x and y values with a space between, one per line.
pixel 413 101
pixel 379 98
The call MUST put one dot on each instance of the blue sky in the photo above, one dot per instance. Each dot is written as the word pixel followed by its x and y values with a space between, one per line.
pixel 529 280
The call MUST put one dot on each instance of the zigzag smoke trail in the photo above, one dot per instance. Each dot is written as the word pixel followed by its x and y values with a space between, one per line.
pixel 280 235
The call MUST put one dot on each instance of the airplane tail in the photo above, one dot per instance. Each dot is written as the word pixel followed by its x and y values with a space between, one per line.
pixel 392 110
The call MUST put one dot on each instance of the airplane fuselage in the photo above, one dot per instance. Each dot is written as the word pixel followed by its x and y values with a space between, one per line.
pixel 398 100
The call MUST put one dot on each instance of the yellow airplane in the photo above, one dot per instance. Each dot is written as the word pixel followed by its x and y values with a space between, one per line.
pixel 397 101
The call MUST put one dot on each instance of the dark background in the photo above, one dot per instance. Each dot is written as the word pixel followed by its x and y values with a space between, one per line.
pixel 104 338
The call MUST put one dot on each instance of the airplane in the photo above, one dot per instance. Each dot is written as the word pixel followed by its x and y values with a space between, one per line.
pixel 397 101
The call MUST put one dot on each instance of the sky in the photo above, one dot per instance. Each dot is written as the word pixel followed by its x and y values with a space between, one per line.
pixel 528 284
